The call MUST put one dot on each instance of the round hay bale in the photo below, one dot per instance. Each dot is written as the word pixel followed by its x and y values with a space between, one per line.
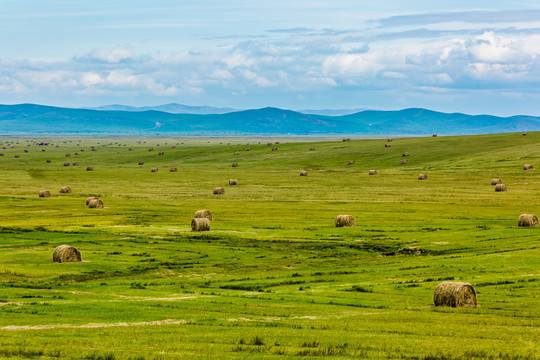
pixel 312 148
pixel 45 194
pixel 389 140
pixel 404 162
pixel 219 191
pixel 344 221
pixel 154 170
pixel 68 155
pixel 422 177
pixel 203 214
pixel 405 154
pixel 66 164
pixel 25 150
pixel 65 190
pixel 525 134
pixel 527 167
pixel 151 149
pixel 500 187
pixel 454 294
pixel 351 162
pixel 277 143
pixel 200 224
pixel 89 168
pixel 75 164
pixel 95 204
pixel 274 149
pixel 346 139
pixel 1 154
pixel 527 220
pixel 42 150
pixel 173 169
pixel 434 135
pixel 303 173
pixel 141 162
pixel 94 150
pixel 17 156
pixel 496 181
pixel 372 172
pixel 161 153
pixel 48 161
pixel 90 198
pixel 76 154
pixel 248 149
pixel 233 182
pixel 268 144
pixel 387 145
pixel 66 253
pixel 237 153
pixel 235 165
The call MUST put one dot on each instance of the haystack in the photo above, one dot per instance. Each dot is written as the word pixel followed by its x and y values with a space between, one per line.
pixel 173 169
pixel 404 162
pixel 387 145
pixel 527 167
pixel 90 198
pixel 95 204
pixel 405 154
pixel 237 153
pixel 203 214
pixel 65 190
pixel 351 162
pixel 141 162
pixel 422 177
pixel 66 253
pixel 200 224
pixel 154 170
pixel 527 220
pixel 89 168
pixel 219 191
pixel 233 182
pixel 303 173
pixel 344 221
pixel 235 165
pixel 500 187
pixel 496 181
pixel 44 193
pixel 372 172
pixel 454 294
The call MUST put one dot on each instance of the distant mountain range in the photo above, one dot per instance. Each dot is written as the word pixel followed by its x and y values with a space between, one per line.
pixel 172 108
pixel 39 119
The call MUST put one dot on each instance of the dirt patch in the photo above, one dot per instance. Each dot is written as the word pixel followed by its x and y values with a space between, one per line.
pixel 98 325
pixel 11 303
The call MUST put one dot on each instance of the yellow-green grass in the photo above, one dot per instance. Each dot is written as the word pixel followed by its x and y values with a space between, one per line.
pixel 273 278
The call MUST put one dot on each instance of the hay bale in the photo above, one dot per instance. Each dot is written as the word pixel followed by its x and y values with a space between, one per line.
pixel 203 214
pixel 200 224
pixel 219 191
pixel 527 167
pixel 434 135
pixel 154 170
pixel 235 165
pixel 372 172
pixel 75 164
pixel 351 162
pixel 525 134
pixel 48 161
pixel 65 190
pixel 527 220
pixel 454 294
pixel 233 182
pixel 387 145
pixel 422 177
pixel 277 143
pixel 500 187
pixel 45 194
pixel 389 140
pixel 237 153
pixel 90 198
pixel 344 221
pixel 66 164
pixel 346 139
pixel 151 149
pixel 248 149
pixel 68 155
pixel 496 181
pixel 312 148
pixel 141 162
pixel 303 173
pixel 17 156
pixel 268 144
pixel 1 154
pixel 405 154
pixel 25 150
pixel 161 153
pixel 66 253
pixel 274 149
pixel 173 169
pixel 89 168
pixel 95 204
pixel 404 162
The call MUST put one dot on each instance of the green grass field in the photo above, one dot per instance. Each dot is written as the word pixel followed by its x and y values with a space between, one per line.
pixel 273 278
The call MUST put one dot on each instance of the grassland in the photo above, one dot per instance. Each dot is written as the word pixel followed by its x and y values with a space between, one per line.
pixel 273 278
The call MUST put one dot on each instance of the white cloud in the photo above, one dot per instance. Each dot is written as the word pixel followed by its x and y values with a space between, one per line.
pixel 115 55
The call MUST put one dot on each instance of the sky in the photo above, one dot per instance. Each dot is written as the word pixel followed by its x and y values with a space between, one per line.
pixel 475 57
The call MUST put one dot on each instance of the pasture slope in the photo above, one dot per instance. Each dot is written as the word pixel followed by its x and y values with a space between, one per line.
pixel 273 278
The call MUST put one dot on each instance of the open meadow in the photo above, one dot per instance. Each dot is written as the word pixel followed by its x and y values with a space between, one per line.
pixel 273 278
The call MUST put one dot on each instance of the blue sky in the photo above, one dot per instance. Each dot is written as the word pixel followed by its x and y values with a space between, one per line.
pixel 453 56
